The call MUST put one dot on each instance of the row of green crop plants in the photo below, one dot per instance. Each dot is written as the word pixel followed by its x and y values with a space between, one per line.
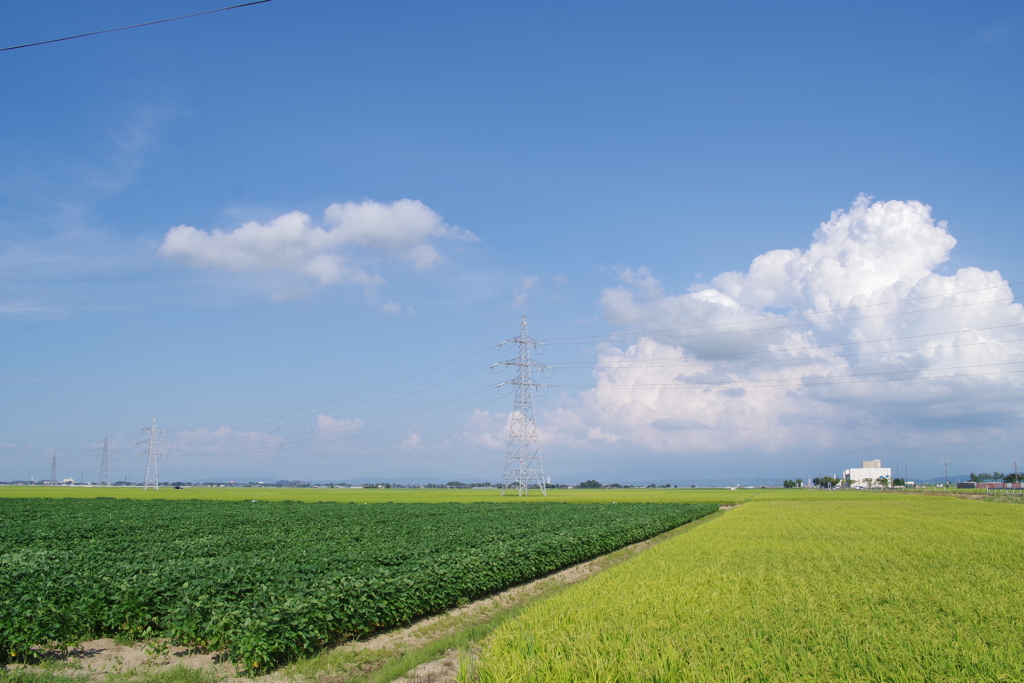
pixel 269 582
pixel 904 589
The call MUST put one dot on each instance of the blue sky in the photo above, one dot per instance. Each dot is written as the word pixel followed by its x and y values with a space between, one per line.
pixel 594 166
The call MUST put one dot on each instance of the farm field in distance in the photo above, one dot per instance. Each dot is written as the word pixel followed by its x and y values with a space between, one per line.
pixel 270 582
pixel 882 588
pixel 394 495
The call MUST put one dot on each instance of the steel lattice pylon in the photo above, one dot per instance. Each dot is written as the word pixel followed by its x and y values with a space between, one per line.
pixel 523 467
pixel 154 444
pixel 105 463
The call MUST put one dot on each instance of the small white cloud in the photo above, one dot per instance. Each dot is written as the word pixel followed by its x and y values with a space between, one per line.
pixel 596 434
pixel 997 34
pixel 402 229
pixel 486 430
pixel 391 307
pixel 293 244
pixel 522 293
pixel 560 279
pixel 327 426
pixel 413 442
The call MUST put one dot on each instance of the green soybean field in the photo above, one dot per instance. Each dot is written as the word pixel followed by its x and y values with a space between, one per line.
pixel 270 582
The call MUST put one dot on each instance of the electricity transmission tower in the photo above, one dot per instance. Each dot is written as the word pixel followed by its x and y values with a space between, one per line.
pixel 522 460
pixel 105 463
pixel 53 469
pixel 153 445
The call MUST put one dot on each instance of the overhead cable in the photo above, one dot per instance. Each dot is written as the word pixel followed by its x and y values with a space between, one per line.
pixel 125 28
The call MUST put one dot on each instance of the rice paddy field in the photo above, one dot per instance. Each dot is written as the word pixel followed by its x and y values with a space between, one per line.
pixel 790 587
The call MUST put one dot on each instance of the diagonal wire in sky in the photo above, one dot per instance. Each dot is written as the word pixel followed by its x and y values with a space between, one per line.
pixel 124 28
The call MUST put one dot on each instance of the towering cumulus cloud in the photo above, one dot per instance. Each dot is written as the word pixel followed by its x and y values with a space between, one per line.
pixel 293 244
pixel 854 342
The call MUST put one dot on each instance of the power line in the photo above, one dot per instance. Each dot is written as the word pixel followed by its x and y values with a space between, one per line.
pixel 389 364
pixel 433 384
pixel 318 438
pixel 378 431
pixel 125 28
pixel 318 435
pixel 278 416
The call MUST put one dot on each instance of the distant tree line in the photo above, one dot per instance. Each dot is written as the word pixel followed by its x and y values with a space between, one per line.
pixel 997 476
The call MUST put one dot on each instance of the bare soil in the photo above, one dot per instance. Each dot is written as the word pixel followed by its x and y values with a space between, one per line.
pixel 97 658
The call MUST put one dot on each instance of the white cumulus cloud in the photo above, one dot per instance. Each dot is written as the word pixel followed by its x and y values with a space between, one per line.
pixel 413 442
pixel 328 426
pixel 521 294
pixel 326 253
pixel 856 341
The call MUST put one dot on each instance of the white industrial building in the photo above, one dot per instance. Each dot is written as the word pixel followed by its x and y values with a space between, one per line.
pixel 871 471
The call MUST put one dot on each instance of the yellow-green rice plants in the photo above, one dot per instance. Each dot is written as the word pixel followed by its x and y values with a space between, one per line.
pixel 867 588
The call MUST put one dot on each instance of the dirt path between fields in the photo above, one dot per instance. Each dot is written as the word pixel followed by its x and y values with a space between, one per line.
pixel 96 659
pixel 444 669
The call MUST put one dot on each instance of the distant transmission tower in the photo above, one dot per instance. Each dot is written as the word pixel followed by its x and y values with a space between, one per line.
pixel 522 460
pixel 105 463
pixel 153 445
pixel 53 469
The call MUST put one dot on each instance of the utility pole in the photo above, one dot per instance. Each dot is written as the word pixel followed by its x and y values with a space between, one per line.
pixel 153 445
pixel 906 473
pixel 105 463
pixel 53 469
pixel 522 460
pixel 945 464
pixel 1016 479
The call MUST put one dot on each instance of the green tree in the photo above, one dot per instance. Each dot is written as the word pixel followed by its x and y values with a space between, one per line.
pixel 590 484
pixel 789 484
